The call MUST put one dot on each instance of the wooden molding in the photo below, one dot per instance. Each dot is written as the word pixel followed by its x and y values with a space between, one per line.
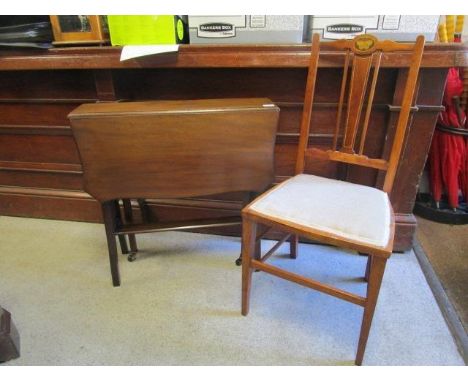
pixel 35 130
pixel 219 56
pixel 62 168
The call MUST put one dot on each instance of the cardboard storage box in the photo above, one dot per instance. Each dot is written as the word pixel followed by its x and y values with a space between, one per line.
pixel 391 27
pixel 148 29
pixel 243 29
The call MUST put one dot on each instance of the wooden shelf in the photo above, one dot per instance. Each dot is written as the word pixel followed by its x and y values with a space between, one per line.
pixel 213 56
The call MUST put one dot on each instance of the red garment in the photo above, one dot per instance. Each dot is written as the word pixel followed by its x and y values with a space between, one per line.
pixel 447 160
pixel 453 88
pixel 435 171
pixel 464 174
pixel 448 154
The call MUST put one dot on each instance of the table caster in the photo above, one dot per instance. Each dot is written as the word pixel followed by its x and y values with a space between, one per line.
pixel 131 257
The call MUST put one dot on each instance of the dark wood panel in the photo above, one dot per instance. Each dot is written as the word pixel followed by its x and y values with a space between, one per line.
pixel 38 148
pixel 285 162
pixel 280 85
pixel 430 86
pixel 290 117
pixel 35 114
pixel 418 142
pixel 41 175
pixel 41 180
pixel 169 84
pixel 323 119
pixel 49 205
pixel 60 84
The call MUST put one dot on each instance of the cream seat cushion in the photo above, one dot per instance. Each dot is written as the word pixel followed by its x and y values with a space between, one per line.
pixel 351 211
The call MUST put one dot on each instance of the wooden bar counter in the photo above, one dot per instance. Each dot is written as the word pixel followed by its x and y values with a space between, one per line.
pixel 40 170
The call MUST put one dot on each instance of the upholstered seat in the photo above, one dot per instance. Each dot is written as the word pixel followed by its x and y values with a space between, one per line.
pixel 347 210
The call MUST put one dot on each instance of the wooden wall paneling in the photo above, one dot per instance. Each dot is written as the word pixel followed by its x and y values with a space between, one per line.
pixel 54 85
pixel 38 155
pixel 38 148
pixel 48 204
pixel 41 179
pixel 36 113
pixel 169 84
pixel 419 136
pixel 61 79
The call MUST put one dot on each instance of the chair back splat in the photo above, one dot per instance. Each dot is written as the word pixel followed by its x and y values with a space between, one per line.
pixel 363 57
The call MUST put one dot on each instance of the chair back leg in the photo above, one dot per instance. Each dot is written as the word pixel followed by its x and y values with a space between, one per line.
pixel 293 246
pixel 377 268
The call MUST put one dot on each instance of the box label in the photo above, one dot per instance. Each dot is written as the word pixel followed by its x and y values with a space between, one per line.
pixel 344 27
pixel 216 30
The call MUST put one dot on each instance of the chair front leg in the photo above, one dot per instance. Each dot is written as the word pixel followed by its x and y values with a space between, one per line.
pixel 109 214
pixel 377 269
pixel 249 230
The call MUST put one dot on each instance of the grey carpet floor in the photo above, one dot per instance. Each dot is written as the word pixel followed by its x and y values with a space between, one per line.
pixel 179 304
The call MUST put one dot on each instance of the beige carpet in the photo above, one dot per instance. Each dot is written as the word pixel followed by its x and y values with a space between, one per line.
pixel 179 304
pixel 446 247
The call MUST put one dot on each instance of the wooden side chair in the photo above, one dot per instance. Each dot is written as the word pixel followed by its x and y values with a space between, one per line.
pixel 171 149
pixel 333 211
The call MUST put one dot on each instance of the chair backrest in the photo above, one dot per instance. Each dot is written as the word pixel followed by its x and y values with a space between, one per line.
pixel 358 86
pixel 172 149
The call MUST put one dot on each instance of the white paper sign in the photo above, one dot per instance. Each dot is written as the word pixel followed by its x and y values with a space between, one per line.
pixel 134 51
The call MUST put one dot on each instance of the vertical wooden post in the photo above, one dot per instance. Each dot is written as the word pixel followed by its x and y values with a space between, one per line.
pixel 104 85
